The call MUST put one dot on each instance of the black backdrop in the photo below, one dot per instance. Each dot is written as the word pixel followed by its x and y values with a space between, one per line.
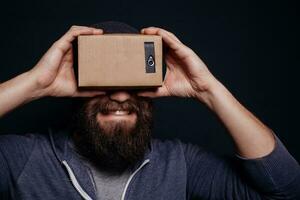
pixel 250 46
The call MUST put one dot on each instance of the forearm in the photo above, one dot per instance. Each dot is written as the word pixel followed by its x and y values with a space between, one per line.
pixel 16 92
pixel 251 137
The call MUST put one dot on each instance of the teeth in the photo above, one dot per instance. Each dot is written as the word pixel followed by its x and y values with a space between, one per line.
pixel 119 112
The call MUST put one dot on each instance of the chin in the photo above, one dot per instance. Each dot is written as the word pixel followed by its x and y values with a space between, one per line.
pixel 124 126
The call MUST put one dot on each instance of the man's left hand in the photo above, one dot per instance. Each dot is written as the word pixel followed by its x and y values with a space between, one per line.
pixel 186 75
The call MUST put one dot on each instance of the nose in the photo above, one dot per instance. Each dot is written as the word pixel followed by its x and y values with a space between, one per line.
pixel 119 96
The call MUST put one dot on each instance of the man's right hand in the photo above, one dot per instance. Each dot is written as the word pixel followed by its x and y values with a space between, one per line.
pixel 54 73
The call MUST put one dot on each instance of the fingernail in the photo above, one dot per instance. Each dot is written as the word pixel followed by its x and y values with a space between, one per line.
pixel 143 30
pixel 99 30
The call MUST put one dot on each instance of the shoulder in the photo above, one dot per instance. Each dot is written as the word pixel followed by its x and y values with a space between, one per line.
pixel 185 150
pixel 11 140
pixel 15 151
pixel 165 145
pixel 15 145
pixel 175 147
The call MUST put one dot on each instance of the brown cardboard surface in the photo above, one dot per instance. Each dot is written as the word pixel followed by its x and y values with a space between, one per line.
pixel 117 61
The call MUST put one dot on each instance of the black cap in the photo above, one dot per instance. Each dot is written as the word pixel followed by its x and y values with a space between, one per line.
pixel 115 27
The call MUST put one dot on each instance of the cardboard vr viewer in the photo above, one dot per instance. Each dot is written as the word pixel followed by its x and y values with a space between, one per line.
pixel 114 61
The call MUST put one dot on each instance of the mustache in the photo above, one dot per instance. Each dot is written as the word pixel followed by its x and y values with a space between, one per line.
pixel 108 105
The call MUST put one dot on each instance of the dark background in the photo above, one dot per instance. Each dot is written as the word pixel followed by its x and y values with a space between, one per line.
pixel 250 46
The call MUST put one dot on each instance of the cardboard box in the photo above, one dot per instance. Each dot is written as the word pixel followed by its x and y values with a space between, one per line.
pixel 115 61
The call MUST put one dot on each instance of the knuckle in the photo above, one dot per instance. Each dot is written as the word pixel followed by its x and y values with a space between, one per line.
pixel 76 32
pixel 172 34
pixel 55 44
pixel 74 27
pixel 160 32
pixel 189 50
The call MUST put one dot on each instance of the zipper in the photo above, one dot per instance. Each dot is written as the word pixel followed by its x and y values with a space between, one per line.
pixel 75 182
pixel 81 191
pixel 131 177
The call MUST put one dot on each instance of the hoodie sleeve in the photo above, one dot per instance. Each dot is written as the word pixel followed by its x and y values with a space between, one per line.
pixel 4 174
pixel 274 176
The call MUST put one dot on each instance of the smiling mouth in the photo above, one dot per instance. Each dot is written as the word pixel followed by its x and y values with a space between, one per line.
pixel 118 112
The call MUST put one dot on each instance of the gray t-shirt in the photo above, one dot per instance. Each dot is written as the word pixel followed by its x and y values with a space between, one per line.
pixel 108 186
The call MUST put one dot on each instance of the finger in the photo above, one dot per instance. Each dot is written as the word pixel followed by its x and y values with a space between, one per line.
pixel 148 94
pixel 88 93
pixel 176 46
pixel 75 31
pixel 171 42
pixel 169 33
pixel 65 42
pixel 154 30
pixel 68 57
pixel 158 92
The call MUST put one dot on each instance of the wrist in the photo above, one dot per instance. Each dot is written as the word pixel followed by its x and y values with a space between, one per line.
pixel 17 91
pixel 215 91
pixel 33 87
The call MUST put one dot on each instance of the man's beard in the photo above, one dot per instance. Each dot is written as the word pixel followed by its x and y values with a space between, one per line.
pixel 113 146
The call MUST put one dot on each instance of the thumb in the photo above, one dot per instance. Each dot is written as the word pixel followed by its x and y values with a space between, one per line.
pixel 157 92
pixel 88 93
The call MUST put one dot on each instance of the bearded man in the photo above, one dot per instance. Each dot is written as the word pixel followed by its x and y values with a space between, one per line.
pixel 108 151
